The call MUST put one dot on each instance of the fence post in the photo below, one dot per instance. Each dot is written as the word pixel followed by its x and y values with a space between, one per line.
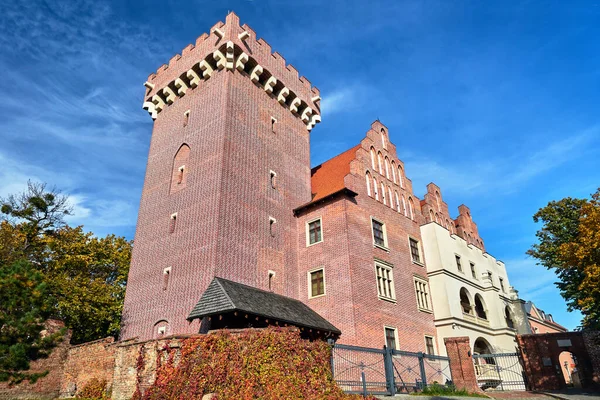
pixel 389 370
pixel 332 363
pixel 364 383
pixel 422 368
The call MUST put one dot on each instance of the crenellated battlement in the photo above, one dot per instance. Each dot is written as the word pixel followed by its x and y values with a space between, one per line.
pixel 234 48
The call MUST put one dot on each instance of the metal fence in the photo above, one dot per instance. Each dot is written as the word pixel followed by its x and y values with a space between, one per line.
pixel 365 370
pixel 502 371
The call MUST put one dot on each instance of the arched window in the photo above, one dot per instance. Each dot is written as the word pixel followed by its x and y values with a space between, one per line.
pixel 480 307
pixel 452 229
pixel 393 167
pixel 509 319
pixel 161 329
pixel 465 301
pixel 438 200
pixel 380 162
pixel 437 218
pixel 180 168
pixel 404 206
pixel 383 139
pixel 397 201
pixel 469 239
pixel 368 180
pixel 390 197
pixel 375 189
pixel 431 217
pixel 447 224
pixel 400 176
pixel 373 158
pixel 411 208
pixel 387 167
pixel 383 193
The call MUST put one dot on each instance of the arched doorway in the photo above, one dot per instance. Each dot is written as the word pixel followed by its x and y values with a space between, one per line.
pixel 568 366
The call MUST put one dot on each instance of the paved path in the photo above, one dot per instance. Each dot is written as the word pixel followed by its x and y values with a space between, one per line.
pixel 574 394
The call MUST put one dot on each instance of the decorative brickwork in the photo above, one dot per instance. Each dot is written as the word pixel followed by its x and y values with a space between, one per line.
pixel 461 363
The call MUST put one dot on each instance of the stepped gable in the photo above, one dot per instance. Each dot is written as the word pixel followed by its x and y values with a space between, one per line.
pixel 234 48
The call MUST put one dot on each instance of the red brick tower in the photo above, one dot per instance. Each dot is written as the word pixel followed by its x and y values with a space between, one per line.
pixel 228 161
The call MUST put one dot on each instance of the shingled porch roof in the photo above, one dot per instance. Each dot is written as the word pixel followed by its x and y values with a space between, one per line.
pixel 224 297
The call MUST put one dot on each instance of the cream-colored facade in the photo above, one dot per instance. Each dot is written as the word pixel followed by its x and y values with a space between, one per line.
pixel 471 294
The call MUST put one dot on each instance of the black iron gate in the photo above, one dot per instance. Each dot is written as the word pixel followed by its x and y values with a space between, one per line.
pixel 365 370
pixel 503 371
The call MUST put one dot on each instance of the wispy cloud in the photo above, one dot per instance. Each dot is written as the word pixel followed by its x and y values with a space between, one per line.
pixel 344 99
pixel 506 172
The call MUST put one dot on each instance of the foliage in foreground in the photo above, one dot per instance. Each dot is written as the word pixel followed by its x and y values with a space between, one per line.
pixel 569 244
pixel 25 308
pixel 270 364
pixel 445 390
pixel 94 389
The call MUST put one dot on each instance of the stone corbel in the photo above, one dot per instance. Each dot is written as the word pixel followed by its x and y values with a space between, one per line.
pixel 159 103
pixel 243 36
pixel 229 56
pixel 314 120
pixel 283 94
pixel 256 72
pixel 221 60
pixel 149 85
pixel 271 82
pixel 306 114
pixel 169 95
pixel 207 70
pixel 181 86
pixel 294 105
pixel 193 77
pixel 240 64
pixel 218 32
pixel 316 98
pixel 149 106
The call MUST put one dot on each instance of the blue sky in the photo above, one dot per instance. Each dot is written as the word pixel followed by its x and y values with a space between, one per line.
pixel 496 102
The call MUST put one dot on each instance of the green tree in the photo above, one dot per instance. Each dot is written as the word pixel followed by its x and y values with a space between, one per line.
pixel 24 296
pixel 569 244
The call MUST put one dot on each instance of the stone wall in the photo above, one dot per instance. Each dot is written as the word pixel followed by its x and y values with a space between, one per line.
pixel 86 361
pixel 47 387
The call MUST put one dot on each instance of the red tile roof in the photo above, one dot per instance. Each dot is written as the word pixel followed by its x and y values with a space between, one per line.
pixel 328 178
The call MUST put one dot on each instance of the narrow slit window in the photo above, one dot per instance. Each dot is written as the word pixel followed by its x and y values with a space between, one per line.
pixel 273 179
pixel 166 275
pixel 173 223
pixel 186 118
pixel 180 175
pixel 273 122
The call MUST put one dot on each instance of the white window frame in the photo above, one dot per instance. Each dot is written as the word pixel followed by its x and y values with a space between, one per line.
pixel 390 268
pixel 395 335
pixel 427 293
pixel 308 244
pixel 385 238
pixel 422 259
pixel 310 296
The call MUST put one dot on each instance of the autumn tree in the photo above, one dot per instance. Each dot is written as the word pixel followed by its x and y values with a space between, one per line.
pixel 85 275
pixel 26 306
pixel 569 244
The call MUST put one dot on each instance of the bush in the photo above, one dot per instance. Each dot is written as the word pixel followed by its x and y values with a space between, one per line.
pixel 94 389
pixel 270 364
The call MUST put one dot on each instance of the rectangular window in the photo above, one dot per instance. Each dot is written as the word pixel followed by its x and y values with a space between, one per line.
pixel 422 292
pixel 414 250
pixel 458 264
pixel 166 274
pixel 390 338
pixel 502 285
pixel 429 349
pixel 317 283
pixel 172 223
pixel 314 232
pixel 378 233
pixel 385 281
pixel 473 272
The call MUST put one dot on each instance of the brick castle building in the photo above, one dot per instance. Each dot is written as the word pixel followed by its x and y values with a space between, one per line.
pixel 229 193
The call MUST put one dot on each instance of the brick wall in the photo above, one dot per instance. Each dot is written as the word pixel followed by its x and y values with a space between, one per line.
pixel 541 358
pixel 461 363
pixel 86 361
pixel 47 387
pixel 592 344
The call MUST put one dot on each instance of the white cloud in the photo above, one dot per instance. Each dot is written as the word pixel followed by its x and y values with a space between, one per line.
pixel 342 99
